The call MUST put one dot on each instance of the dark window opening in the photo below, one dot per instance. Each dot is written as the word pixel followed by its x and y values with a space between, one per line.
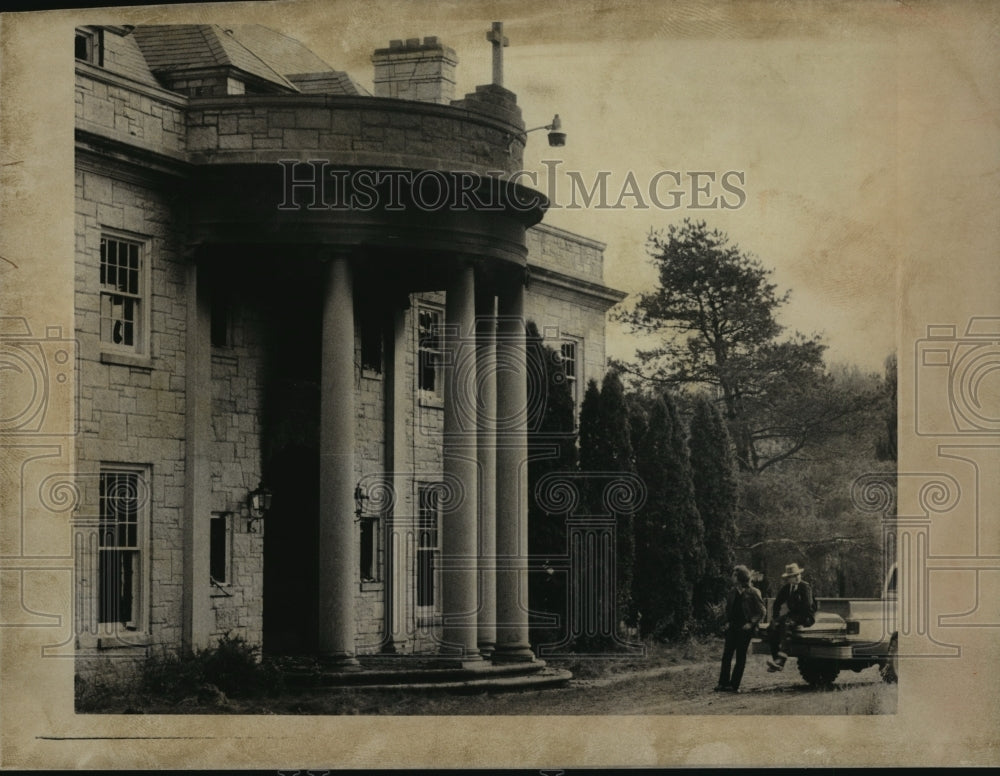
pixel 430 351
pixel 371 343
pixel 219 548
pixel 84 45
pixel 221 317
pixel 87 47
pixel 369 558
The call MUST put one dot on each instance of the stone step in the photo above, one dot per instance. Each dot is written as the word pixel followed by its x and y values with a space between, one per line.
pixel 414 673
pixel 546 678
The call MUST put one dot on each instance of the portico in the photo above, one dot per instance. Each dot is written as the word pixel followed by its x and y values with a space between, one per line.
pixel 336 293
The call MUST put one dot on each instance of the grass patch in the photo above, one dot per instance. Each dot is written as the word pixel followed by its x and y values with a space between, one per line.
pixel 653 654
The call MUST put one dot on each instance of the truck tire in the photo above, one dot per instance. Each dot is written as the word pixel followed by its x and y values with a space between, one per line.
pixel 888 668
pixel 818 673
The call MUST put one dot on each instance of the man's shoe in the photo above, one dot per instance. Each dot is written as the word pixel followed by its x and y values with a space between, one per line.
pixel 733 689
pixel 773 665
pixel 721 687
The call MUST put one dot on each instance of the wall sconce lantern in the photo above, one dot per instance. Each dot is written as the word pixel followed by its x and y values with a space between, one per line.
pixel 360 497
pixel 258 504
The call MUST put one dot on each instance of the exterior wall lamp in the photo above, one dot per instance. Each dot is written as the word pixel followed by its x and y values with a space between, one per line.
pixel 557 137
pixel 360 497
pixel 258 504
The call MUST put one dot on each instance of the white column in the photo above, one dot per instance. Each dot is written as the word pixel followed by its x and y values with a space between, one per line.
pixel 198 622
pixel 512 477
pixel 397 397
pixel 338 551
pixel 459 544
pixel 487 439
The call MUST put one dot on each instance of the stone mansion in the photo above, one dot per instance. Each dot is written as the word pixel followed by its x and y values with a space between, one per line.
pixel 303 400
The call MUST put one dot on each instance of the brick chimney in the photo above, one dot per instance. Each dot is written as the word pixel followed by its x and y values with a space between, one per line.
pixel 415 70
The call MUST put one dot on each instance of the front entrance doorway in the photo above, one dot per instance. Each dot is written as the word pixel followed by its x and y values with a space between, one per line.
pixel 291 560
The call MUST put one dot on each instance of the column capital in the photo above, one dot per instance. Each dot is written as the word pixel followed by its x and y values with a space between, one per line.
pixel 331 252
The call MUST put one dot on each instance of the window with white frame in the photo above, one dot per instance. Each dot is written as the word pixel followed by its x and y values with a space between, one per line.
pixel 124 517
pixel 430 378
pixel 428 548
pixel 569 350
pixel 88 46
pixel 123 293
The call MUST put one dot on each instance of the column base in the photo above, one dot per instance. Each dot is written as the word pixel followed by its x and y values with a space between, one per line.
pixel 487 648
pixel 389 648
pixel 474 662
pixel 342 661
pixel 513 654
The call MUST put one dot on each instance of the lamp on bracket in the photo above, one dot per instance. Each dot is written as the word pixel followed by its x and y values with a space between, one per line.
pixel 258 505
pixel 557 137
pixel 360 497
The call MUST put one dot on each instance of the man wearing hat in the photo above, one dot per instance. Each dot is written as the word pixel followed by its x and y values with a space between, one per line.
pixel 793 606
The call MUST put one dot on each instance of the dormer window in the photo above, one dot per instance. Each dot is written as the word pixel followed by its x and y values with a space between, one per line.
pixel 88 46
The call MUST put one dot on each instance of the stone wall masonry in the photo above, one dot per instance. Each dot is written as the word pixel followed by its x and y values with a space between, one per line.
pixel 557 318
pixel 236 470
pixel 427 465
pixel 117 108
pixel 369 607
pixel 349 132
pixel 566 252
pixel 415 70
pixel 131 410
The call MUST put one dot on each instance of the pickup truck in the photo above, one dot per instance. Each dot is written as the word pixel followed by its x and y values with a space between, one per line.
pixel 849 634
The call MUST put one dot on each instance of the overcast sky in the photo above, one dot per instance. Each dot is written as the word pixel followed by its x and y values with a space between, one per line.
pixel 859 128
pixel 813 103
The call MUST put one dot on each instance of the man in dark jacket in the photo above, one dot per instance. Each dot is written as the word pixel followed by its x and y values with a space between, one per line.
pixel 744 609
pixel 794 606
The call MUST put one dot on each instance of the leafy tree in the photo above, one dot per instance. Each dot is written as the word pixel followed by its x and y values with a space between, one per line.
pixel 717 495
pixel 805 514
pixel 719 305
pixel 803 510
pixel 551 448
pixel 669 536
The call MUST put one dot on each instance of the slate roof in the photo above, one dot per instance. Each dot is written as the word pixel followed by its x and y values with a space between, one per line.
pixel 123 56
pixel 284 54
pixel 174 48
pixel 294 60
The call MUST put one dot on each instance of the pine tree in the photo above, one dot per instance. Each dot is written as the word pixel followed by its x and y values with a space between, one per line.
pixel 669 553
pixel 551 448
pixel 606 452
pixel 687 506
pixel 615 417
pixel 716 495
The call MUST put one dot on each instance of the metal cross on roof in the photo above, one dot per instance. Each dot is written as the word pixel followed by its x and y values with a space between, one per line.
pixel 496 37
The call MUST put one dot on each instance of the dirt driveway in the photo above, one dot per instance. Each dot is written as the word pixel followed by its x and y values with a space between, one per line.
pixel 682 689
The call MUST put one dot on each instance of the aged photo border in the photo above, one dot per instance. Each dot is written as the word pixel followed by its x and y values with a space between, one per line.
pixel 946 290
